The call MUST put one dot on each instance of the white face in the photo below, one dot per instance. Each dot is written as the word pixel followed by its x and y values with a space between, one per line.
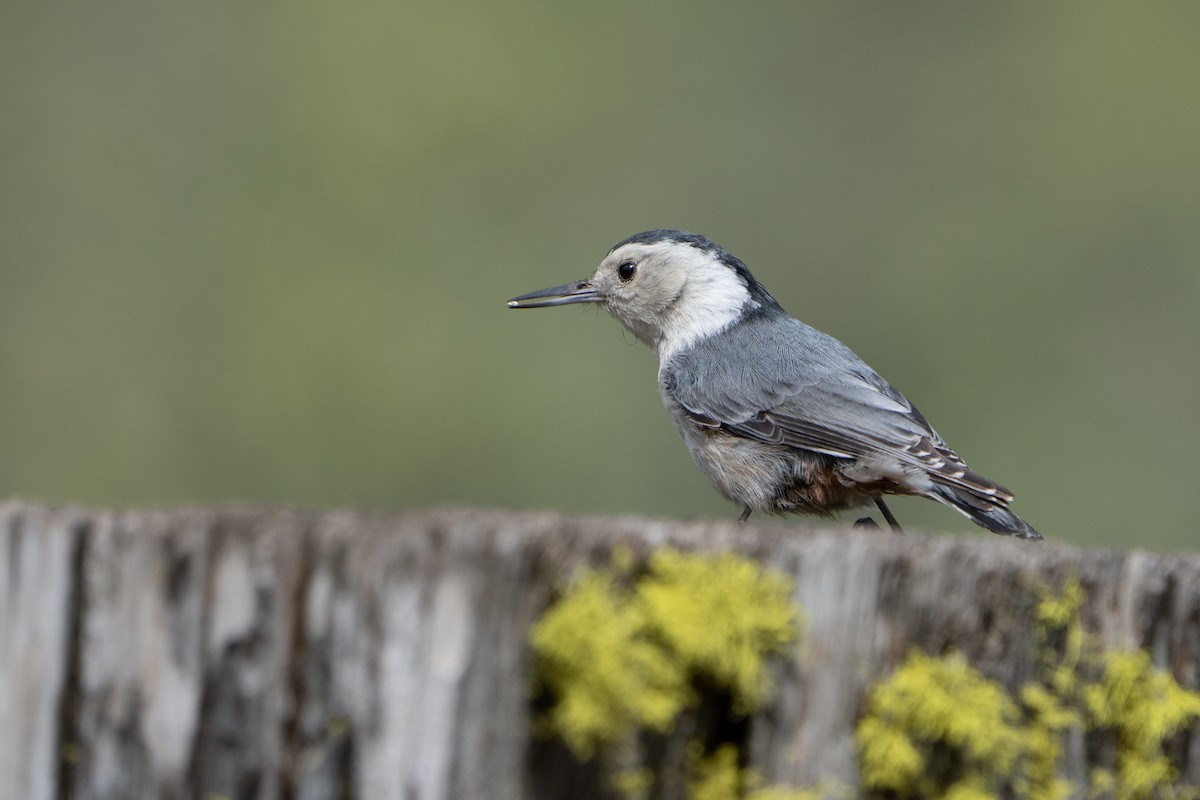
pixel 670 295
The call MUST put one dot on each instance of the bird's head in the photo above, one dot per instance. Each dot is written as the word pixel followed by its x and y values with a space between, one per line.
pixel 669 288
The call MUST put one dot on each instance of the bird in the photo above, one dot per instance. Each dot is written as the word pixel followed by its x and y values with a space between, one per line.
pixel 779 417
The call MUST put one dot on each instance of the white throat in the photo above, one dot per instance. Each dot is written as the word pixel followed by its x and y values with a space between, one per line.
pixel 713 298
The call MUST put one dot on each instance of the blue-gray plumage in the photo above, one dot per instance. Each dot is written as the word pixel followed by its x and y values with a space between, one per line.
pixel 777 415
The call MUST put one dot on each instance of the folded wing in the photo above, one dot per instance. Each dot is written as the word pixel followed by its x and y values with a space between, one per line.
pixel 818 396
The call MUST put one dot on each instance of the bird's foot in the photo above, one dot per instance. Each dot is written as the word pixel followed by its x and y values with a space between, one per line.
pixel 866 522
pixel 745 515
pixel 887 514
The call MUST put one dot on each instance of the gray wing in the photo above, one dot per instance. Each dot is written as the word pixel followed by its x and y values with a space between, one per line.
pixel 782 382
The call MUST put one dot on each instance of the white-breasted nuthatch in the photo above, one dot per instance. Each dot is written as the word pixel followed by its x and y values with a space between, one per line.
pixel 778 416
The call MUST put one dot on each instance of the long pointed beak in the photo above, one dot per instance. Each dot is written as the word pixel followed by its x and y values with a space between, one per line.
pixel 568 293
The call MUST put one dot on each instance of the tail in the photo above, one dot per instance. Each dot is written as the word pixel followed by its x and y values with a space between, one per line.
pixel 987 510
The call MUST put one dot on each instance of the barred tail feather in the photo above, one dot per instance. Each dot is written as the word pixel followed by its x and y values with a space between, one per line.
pixel 995 518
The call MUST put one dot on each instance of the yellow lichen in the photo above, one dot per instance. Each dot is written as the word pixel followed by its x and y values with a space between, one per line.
pixel 607 676
pixel 1119 693
pixel 1048 716
pixel 987 744
pixel 718 777
pixel 1058 610
pixel 721 616
pixel 1050 702
pixel 938 710
pixel 622 652
pixel 620 655
pixel 1142 707
pixel 634 781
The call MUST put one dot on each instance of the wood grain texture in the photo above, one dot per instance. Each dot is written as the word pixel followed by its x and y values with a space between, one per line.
pixel 243 653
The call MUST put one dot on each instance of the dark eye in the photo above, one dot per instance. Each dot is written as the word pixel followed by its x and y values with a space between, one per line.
pixel 626 270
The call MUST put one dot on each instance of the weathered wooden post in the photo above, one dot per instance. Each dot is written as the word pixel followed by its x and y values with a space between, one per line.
pixel 244 653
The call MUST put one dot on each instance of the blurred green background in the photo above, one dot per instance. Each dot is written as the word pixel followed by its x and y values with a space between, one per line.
pixel 260 252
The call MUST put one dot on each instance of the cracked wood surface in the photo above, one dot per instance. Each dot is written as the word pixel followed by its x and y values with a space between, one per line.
pixel 246 653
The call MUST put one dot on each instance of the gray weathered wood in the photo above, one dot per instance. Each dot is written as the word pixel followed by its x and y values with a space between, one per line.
pixel 37 587
pixel 249 653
